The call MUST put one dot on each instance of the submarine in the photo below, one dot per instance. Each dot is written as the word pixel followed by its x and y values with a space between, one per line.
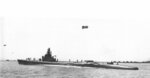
pixel 48 59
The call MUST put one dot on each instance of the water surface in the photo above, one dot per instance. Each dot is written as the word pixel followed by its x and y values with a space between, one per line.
pixel 11 69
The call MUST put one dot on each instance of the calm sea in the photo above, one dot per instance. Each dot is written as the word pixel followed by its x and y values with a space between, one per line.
pixel 11 69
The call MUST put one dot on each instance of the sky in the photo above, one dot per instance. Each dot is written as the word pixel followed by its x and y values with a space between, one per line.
pixel 118 30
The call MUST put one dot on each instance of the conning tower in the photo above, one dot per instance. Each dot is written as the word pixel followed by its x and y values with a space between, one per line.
pixel 48 56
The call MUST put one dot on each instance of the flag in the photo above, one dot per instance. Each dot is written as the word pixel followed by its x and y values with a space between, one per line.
pixel 85 27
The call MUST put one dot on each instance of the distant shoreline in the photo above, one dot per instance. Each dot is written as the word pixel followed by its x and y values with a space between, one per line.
pixel 98 61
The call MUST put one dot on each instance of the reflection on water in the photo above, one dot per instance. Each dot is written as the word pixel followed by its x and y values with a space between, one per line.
pixel 11 69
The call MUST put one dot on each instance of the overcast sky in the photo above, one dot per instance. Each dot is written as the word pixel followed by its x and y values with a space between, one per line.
pixel 118 30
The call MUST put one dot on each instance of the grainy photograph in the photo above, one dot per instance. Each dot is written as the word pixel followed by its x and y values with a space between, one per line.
pixel 74 39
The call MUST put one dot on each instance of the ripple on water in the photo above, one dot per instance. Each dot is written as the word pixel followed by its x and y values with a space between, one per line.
pixel 14 70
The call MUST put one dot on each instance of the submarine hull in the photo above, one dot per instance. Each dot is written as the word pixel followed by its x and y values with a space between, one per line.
pixel 107 66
